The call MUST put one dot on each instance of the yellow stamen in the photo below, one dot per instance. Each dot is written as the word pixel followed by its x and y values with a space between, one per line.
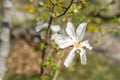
pixel 77 44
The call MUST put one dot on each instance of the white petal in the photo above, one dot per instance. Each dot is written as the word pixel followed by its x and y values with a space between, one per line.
pixel 86 44
pixel 70 30
pixel 62 31
pixel 83 56
pixel 53 37
pixel 40 26
pixel 81 30
pixel 55 28
pixel 61 38
pixel 65 44
pixel 70 57
pixel 63 41
pixel 45 25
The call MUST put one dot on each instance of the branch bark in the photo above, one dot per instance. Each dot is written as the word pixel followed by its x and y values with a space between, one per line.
pixel 46 41
pixel 66 9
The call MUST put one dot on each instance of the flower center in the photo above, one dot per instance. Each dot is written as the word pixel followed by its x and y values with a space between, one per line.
pixel 77 44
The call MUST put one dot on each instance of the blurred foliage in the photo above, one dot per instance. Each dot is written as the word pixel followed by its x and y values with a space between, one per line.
pixel 81 10
pixel 98 68
pixel 93 28
pixel 116 31
pixel 13 76
pixel 29 8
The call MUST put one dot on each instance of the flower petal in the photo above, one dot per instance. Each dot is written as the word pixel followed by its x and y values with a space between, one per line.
pixel 45 25
pixel 62 31
pixel 83 56
pixel 61 38
pixel 70 30
pixel 53 36
pixel 40 26
pixel 55 28
pixel 63 41
pixel 81 30
pixel 70 57
pixel 65 44
pixel 86 44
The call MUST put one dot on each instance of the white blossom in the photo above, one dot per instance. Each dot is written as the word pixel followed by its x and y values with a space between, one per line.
pixel 55 29
pixel 73 38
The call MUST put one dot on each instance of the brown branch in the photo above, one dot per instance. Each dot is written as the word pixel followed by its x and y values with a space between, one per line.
pixel 66 9
pixel 46 41
pixel 42 63
pixel 48 29
pixel 48 32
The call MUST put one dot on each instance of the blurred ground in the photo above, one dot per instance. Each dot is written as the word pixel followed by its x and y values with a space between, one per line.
pixel 23 58
pixel 23 61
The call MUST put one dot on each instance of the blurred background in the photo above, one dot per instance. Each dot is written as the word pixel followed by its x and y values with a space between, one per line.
pixel 22 60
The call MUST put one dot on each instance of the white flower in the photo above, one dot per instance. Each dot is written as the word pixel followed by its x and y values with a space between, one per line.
pixel 75 39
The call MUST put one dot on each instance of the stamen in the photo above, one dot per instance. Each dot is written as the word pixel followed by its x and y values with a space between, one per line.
pixel 77 44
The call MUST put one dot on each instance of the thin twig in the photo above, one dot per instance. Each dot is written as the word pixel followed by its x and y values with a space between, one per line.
pixel 42 62
pixel 48 29
pixel 51 2
pixel 50 22
pixel 66 9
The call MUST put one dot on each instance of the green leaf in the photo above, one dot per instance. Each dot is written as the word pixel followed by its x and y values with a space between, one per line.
pixel 116 31
pixel 45 78
pixel 56 67
pixel 42 46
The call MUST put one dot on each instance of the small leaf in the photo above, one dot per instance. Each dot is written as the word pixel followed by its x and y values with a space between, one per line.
pixel 42 46
pixel 56 67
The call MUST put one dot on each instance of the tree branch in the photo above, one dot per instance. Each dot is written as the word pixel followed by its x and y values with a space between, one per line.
pixel 46 41
pixel 51 2
pixel 50 21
